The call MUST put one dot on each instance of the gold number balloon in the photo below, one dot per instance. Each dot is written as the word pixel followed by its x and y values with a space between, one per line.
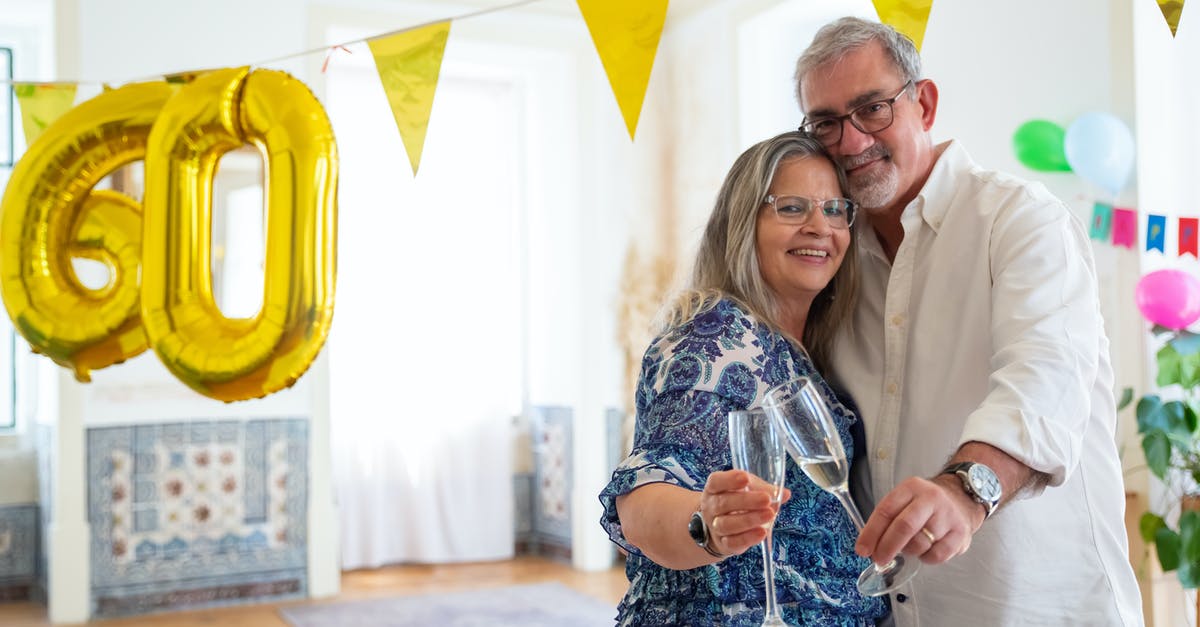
pixel 50 214
pixel 232 358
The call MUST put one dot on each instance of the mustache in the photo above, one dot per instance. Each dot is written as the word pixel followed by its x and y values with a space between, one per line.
pixel 871 154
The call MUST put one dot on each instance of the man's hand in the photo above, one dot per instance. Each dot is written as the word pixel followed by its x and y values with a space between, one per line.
pixel 932 519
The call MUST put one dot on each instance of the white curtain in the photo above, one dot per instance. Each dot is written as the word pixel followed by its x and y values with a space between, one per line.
pixel 425 349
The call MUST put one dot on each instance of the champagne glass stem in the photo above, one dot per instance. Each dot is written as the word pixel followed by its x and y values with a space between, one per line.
pixel 772 615
pixel 843 495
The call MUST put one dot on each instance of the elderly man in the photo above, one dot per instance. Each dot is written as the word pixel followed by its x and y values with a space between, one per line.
pixel 978 357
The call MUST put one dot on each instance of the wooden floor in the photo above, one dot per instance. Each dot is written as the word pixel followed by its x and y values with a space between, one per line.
pixel 608 585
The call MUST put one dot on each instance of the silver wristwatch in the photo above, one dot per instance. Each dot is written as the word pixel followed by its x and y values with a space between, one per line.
pixel 980 483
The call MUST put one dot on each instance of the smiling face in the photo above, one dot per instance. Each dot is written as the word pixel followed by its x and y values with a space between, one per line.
pixel 798 261
pixel 887 168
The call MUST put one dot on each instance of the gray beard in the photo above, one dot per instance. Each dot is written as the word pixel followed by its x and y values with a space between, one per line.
pixel 877 191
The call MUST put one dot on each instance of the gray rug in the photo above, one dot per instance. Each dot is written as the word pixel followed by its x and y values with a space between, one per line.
pixel 536 605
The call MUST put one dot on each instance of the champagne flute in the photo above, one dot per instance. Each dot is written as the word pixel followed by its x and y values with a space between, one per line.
pixel 755 446
pixel 801 414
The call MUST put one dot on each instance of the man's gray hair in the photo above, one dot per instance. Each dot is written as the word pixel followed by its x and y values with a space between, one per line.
pixel 847 34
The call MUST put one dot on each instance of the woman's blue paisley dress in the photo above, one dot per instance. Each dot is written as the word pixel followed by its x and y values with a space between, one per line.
pixel 692 377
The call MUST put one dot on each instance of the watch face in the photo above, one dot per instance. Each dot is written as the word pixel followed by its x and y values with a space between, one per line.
pixel 985 482
pixel 696 529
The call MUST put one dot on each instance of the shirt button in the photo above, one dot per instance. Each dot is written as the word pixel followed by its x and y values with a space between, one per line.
pixel 881 453
pixel 901 597
pixel 897 320
pixel 891 388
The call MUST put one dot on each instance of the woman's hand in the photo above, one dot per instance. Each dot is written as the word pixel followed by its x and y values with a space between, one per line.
pixel 737 510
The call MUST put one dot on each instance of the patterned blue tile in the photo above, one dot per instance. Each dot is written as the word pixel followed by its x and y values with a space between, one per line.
pixel 200 432
pixel 18 542
pixel 145 520
pixel 173 434
pixel 144 462
pixel 145 490
pixel 198 528
pixel 551 429
pixel 228 431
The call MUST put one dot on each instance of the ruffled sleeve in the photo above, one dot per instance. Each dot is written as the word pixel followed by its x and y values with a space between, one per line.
pixel 690 381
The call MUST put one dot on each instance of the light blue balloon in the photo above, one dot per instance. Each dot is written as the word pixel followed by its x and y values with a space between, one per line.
pixel 1099 148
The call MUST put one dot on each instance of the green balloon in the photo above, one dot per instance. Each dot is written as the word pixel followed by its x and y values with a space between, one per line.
pixel 1039 145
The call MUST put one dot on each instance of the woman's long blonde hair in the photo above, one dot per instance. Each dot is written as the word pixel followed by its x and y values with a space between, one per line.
pixel 727 262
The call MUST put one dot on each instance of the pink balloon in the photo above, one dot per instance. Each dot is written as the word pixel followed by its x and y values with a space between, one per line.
pixel 1170 298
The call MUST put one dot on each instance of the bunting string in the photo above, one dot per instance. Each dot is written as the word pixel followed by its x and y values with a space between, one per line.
pixel 625 33
pixel 286 57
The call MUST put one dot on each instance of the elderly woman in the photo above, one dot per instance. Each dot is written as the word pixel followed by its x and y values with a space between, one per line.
pixel 773 279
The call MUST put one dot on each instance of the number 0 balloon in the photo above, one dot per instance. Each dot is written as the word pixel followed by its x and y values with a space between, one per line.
pixel 233 359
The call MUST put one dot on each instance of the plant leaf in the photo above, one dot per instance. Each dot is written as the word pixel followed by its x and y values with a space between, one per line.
pixel 1186 343
pixel 1189 537
pixel 1168 367
pixel 1166 542
pixel 1157 448
pixel 1149 525
pixel 1189 370
pixel 1189 574
pixel 1148 409
pixel 1126 398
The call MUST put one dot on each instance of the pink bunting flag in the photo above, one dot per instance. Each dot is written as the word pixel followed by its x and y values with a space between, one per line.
pixel 1124 227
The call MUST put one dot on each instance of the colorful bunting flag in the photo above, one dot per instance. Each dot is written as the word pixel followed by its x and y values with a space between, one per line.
pixel 626 34
pixel 1124 227
pixel 409 64
pixel 1171 10
pixel 907 16
pixel 1156 233
pixel 41 105
pixel 1187 236
pixel 1101 221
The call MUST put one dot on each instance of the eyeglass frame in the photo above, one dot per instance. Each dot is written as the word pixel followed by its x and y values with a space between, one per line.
pixel 842 119
pixel 851 210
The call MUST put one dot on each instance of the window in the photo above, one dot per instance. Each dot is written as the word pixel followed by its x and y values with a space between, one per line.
pixel 8 418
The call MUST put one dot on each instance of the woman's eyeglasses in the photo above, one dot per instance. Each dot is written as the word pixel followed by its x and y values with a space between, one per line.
pixel 798 210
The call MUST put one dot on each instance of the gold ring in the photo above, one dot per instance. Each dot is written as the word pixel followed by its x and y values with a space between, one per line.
pixel 929 534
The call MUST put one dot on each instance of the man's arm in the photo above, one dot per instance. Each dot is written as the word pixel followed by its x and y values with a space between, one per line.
pixel 941 507
pixel 1044 326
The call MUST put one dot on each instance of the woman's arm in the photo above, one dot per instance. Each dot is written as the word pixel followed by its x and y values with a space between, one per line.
pixel 735 506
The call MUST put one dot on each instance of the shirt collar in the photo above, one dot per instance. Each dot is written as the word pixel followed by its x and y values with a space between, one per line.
pixel 934 199
pixel 936 196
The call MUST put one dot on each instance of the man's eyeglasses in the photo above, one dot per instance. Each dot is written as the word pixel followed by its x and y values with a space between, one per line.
pixel 798 210
pixel 869 118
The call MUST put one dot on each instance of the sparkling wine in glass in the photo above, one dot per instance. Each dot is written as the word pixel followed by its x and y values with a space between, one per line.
pixel 802 416
pixel 756 447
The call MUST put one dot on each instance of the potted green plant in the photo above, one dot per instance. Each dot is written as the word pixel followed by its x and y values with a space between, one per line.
pixel 1170 438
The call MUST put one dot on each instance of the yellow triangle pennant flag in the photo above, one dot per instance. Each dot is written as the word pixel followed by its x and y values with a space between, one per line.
pixel 42 104
pixel 626 34
pixel 409 63
pixel 1171 9
pixel 907 16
